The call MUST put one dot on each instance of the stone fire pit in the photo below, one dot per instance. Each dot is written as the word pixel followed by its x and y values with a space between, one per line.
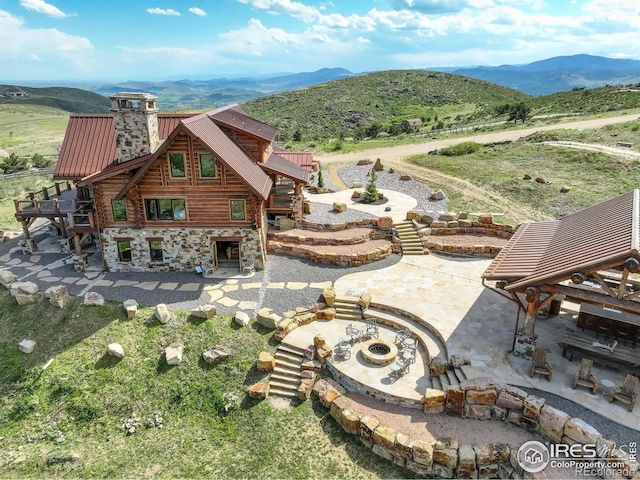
pixel 379 352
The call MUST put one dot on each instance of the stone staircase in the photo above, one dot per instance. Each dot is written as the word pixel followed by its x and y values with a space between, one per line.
pixel 411 242
pixel 347 308
pixel 421 332
pixel 453 377
pixel 285 377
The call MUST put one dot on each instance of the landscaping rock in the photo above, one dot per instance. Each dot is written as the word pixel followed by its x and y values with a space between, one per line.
pixel 339 207
pixel 241 318
pixel 6 236
pixel 329 296
pixel 7 278
pixel 455 401
pixel 350 421
pixel 422 452
pixel 384 436
pixel 532 407
pixel 268 319
pixel 466 462
pixel 58 295
pixel 27 346
pixel 131 306
pixel 93 298
pixel 204 311
pixel 266 362
pixel 115 350
pixel 406 177
pixel 304 389
pixel 259 391
pixel 511 397
pixel 368 426
pixel 173 354
pixel 130 303
pixel 437 195
pixel 163 314
pixel 482 397
pixel 215 355
pixel 24 299
pixel 564 189
pixel 434 401
pixel 486 218
pixel 326 314
pixel 378 167
pixel 385 222
pixel 541 180
pixel 426 219
pixel 580 431
pixel 356 185
pixel 25 288
pixel 364 161
pixel 552 422
pixel 356 194
pixel 365 300
pixel 447 457
pixel 327 391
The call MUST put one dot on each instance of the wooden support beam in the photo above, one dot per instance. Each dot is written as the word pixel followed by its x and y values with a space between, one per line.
pixel 593 297
pixel 25 229
pixel 63 228
pixel 603 284
pixel 547 301
pixel 623 283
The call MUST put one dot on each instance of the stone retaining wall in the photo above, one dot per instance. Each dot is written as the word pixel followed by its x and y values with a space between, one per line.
pixel 481 399
pixel 368 234
pixel 381 222
pixel 464 227
pixel 469 250
pixel 317 255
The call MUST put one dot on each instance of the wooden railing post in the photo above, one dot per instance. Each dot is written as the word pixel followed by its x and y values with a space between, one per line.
pixel 45 193
pixel 36 204
pixel 17 205
pixel 57 185
pixel 31 196
pixel 70 218
pixel 56 205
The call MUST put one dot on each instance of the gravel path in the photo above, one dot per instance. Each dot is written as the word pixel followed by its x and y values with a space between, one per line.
pixel 323 213
pixel 391 181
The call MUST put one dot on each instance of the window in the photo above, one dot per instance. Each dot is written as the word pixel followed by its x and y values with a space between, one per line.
pixel 165 209
pixel 124 251
pixel 237 209
pixel 207 165
pixel 176 164
pixel 119 210
pixel 155 249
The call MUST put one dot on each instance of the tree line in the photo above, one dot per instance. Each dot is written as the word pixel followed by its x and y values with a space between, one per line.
pixel 14 163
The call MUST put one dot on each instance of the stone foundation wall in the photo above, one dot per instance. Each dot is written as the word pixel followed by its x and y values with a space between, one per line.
pixel 480 399
pixel 183 248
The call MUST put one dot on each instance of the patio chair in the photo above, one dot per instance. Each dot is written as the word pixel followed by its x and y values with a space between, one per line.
pixel 399 368
pixel 584 377
pixel 540 364
pixel 343 350
pixel 401 335
pixel 207 267
pixel 371 328
pixel 626 393
pixel 355 333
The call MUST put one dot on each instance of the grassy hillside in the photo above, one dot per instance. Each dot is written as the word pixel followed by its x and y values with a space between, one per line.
pixel 337 108
pixel 66 421
pixel 72 100
pixel 604 99
pixel 29 129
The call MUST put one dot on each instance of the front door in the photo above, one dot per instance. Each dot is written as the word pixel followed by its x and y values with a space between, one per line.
pixel 214 255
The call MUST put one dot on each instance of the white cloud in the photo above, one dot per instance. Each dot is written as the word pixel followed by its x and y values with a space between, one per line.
pixel 40 6
pixel 198 11
pixel 163 11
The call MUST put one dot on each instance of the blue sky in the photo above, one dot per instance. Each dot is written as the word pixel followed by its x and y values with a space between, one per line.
pixel 84 40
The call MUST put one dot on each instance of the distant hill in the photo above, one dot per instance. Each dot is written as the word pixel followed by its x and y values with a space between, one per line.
pixel 202 94
pixel 73 100
pixel 340 106
pixel 559 74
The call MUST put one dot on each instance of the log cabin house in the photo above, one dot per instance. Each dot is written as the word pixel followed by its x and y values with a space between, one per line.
pixel 170 191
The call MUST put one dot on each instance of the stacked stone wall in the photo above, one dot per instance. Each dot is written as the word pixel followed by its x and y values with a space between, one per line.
pixel 183 248
pixel 480 399
pixel 347 239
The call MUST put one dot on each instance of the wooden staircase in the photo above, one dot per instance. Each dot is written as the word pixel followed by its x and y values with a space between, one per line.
pixel 285 378
pixel 409 238
pixel 347 308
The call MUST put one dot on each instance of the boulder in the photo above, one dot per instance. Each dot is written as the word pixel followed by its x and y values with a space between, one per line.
pixel 455 401
pixel 267 318
pixel 532 407
pixel 365 300
pixel 163 314
pixel 329 296
pixel 259 391
pixel 434 401
pixel 356 194
pixel 448 457
pixel 304 389
pixel 511 397
pixel 446 216
pixel 477 412
pixel 364 161
pixel 306 208
pixel 319 341
pixel 25 288
pixel 173 354
pixel 338 405
pixel 93 298
pixel 27 346
pixel 131 307
pixel 241 318
pixel 7 278
pixel 526 177
pixel 339 207
pixel 327 391
pixel 385 222
pixel 403 446
pixel 368 426
pixel 215 355
pixel 485 218
pixel 350 421
pixel 204 311
pixel 541 180
pixel 55 292
pixel 482 397
pixel 378 167
pixel 115 350
pixel 356 185
pixel 426 219
pixel 564 189
pixel 406 177
pixel 552 422
pixel 437 195
pixel 466 462
pixel 6 236
pixel 422 452
pixel 580 431
pixel 266 362
pixel 326 314
pixel 489 453
pixel 24 299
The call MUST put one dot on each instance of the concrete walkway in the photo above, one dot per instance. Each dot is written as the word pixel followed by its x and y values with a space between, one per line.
pixel 399 202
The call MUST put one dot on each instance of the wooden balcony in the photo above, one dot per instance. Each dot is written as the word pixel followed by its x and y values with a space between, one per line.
pixel 50 202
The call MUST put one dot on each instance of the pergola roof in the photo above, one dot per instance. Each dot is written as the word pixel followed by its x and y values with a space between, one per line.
pixel 596 238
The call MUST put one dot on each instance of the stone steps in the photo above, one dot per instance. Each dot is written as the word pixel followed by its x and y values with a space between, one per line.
pixel 421 332
pixel 285 377
pixel 409 238
pixel 347 308
pixel 454 377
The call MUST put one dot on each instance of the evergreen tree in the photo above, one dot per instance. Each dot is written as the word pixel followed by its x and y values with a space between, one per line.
pixel 371 193
pixel 13 164
pixel 320 179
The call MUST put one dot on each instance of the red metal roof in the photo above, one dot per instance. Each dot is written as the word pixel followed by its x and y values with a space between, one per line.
pixel 229 153
pixel 302 159
pixel 233 116
pixel 89 144
pixel 279 165
pixel 549 252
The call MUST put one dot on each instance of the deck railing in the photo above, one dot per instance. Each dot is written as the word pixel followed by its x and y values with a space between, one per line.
pixel 83 216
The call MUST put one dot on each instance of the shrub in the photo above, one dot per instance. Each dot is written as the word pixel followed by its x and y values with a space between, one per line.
pixel 464 148
pixel 320 179
pixel 371 193
pixel 40 161
pixel 13 164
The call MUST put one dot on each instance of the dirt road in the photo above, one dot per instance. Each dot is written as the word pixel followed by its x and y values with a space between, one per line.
pixel 403 151
pixel 470 194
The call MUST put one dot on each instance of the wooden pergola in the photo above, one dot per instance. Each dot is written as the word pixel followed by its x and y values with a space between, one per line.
pixel 591 256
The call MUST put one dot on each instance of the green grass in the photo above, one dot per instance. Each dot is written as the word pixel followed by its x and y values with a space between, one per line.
pixel 591 176
pixel 17 188
pixel 29 129
pixel 77 406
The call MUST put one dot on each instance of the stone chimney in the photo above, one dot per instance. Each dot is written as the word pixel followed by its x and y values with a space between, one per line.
pixel 135 119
